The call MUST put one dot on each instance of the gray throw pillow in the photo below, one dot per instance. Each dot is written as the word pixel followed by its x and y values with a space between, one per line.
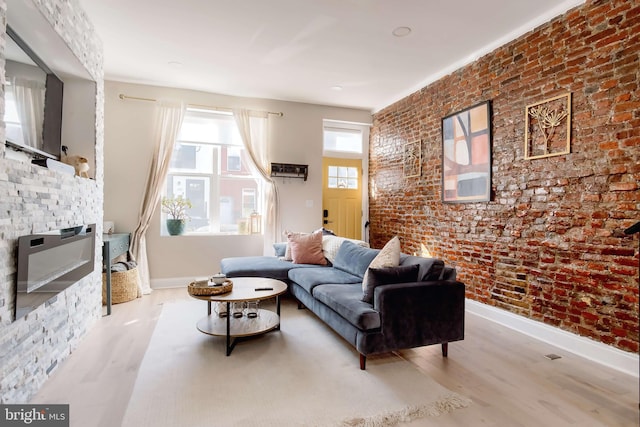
pixel 386 276
pixel 280 249
pixel 354 259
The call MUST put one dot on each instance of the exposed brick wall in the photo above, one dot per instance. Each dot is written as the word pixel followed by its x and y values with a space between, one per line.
pixel 550 244
pixel 35 199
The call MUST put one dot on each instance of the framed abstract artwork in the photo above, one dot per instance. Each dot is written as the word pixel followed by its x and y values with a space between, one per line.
pixel 547 130
pixel 412 159
pixel 466 155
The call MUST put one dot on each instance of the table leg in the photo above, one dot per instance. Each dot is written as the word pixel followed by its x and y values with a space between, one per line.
pixel 278 311
pixel 106 258
pixel 209 308
pixel 228 328
pixel 230 343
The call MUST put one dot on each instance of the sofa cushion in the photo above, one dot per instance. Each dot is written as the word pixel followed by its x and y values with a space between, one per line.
pixel 449 273
pixel 312 277
pixel 388 275
pixel 430 268
pixel 280 249
pixel 354 259
pixel 307 248
pixel 259 266
pixel 345 300
pixel 389 256
pixel 331 244
pixel 287 250
pixel 287 233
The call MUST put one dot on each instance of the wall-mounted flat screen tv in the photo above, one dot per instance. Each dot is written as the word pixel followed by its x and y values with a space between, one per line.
pixel 33 101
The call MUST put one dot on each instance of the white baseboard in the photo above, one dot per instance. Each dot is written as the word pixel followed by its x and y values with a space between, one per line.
pixel 598 352
pixel 172 282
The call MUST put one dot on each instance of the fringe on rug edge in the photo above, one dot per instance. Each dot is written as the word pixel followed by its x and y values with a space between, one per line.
pixel 444 404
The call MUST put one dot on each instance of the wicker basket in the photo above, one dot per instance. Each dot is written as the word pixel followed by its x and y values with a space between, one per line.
pixel 201 288
pixel 124 286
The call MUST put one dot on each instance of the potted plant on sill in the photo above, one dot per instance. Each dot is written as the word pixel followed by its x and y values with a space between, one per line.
pixel 176 208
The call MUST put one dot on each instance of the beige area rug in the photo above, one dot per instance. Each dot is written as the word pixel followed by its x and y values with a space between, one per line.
pixel 302 375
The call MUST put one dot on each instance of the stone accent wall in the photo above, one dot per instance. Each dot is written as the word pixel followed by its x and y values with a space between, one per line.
pixel 35 199
pixel 550 244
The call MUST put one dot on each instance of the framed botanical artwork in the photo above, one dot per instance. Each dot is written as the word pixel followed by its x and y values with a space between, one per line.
pixel 412 159
pixel 547 130
pixel 466 155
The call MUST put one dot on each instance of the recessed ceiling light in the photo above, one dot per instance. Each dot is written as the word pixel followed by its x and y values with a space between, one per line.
pixel 401 31
pixel 175 64
pixel 337 88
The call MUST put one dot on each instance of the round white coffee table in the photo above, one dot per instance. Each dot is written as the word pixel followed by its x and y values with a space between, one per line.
pixel 244 289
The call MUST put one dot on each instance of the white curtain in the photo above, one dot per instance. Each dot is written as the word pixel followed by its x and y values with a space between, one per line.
pixel 29 95
pixel 169 115
pixel 254 132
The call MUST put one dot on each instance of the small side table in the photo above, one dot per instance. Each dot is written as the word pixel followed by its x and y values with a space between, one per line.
pixel 113 245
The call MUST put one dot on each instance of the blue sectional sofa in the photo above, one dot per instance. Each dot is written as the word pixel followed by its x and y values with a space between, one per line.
pixel 427 310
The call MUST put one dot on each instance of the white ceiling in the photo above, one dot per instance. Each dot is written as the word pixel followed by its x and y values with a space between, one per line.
pixel 298 50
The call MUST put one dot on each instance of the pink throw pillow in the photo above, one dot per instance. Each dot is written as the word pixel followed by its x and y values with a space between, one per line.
pixel 307 248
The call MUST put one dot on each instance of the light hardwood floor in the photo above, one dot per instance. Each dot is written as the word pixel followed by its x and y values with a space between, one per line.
pixel 505 373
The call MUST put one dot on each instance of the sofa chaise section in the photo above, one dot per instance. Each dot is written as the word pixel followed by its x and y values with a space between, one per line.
pixel 259 266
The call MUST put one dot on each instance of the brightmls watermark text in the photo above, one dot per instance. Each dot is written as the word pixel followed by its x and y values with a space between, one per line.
pixel 34 415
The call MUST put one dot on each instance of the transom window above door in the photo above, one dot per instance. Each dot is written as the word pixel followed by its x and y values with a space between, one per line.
pixel 342 140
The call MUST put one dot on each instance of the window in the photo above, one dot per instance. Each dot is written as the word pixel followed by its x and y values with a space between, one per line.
pixel 233 159
pixel 343 177
pixel 209 167
pixel 342 140
pixel 249 202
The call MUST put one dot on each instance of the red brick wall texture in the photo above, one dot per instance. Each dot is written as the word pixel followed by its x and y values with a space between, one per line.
pixel 550 244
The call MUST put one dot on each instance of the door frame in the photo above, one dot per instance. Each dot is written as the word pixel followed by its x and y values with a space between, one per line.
pixel 364 157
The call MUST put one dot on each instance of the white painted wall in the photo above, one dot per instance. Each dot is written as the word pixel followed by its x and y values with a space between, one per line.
pixel 296 138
